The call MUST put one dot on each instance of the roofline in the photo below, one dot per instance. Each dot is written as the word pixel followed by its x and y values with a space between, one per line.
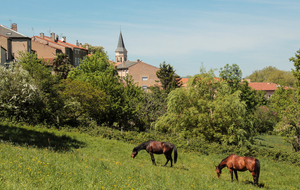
pixel 14 31
pixel 64 43
pixel 46 45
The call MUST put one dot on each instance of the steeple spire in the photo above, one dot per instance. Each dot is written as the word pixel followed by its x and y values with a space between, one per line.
pixel 121 52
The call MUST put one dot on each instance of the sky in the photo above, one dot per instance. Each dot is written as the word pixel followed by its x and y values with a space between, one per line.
pixel 253 34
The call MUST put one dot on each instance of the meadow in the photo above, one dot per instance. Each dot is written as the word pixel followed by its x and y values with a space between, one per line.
pixel 40 158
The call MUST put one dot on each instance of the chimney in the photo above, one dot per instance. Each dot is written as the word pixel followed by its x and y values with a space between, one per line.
pixel 42 35
pixel 64 39
pixel 56 39
pixel 80 45
pixel 77 44
pixel 14 27
pixel 53 36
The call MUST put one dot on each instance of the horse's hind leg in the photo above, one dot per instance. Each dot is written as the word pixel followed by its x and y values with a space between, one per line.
pixel 255 178
pixel 168 157
pixel 152 158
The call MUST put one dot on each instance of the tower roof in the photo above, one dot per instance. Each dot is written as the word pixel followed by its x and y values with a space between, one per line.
pixel 121 46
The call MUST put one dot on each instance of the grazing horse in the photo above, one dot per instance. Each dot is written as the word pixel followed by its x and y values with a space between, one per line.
pixel 236 163
pixel 156 147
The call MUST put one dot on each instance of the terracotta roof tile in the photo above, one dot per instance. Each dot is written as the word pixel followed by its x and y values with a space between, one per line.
pixel 267 86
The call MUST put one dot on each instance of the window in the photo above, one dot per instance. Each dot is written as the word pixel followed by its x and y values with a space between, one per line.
pixel 144 87
pixel 144 78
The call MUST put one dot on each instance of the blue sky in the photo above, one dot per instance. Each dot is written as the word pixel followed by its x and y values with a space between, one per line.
pixel 253 34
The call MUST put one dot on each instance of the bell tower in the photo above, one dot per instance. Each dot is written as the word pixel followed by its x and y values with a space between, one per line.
pixel 121 52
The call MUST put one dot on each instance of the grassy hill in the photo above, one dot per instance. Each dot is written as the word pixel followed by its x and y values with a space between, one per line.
pixel 39 158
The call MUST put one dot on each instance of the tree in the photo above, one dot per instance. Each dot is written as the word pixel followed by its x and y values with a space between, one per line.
pixel 274 75
pixel 47 85
pixel 121 92
pixel 82 101
pixel 19 95
pixel 209 109
pixel 62 65
pixel 167 77
pixel 150 106
pixel 286 103
pixel 231 73
pixel 93 49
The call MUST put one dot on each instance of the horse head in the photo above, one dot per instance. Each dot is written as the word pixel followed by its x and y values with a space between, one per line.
pixel 219 171
pixel 134 153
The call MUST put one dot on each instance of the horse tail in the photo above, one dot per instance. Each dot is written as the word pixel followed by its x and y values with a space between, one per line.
pixel 175 153
pixel 257 169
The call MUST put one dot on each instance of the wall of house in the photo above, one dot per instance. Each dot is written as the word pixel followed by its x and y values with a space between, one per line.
pixel 142 71
pixel 20 45
pixel 42 50
pixel 53 44
pixel 3 43
pixel 2 56
pixel 269 93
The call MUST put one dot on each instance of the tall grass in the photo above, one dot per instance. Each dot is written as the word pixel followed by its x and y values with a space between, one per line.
pixel 97 163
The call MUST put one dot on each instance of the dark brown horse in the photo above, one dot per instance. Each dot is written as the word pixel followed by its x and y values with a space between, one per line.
pixel 156 147
pixel 236 163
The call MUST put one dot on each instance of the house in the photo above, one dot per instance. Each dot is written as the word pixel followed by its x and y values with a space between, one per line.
pixel 268 87
pixel 47 47
pixel 13 42
pixel 142 73
pixel 2 55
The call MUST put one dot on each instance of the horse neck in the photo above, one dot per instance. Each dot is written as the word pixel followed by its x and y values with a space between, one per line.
pixel 141 146
pixel 222 164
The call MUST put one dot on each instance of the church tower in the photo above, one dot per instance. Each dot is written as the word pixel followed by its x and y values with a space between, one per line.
pixel 121 52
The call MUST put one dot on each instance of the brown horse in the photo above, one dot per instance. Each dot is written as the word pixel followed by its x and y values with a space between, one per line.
pixel 236 163
pixel 156 147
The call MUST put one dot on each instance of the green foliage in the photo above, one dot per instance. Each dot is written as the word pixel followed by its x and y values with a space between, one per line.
pixel 167 77
pixel 93 49
pixel 289 126
pixel 208 109
pixel 82 100
pixel 264 119
pixel 274 75
pixel 120 92
pixel 296 71
pixel 232 73
pixel 19 95
pixel 47 85
pixel 151 106
pixel 62 65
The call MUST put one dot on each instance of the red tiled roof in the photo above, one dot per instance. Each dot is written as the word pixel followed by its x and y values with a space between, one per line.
pixel 264 86
pixel 61 43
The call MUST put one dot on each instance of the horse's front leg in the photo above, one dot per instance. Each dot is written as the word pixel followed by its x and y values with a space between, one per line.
pixel 152 158
pixel 230 170
pixel 236 175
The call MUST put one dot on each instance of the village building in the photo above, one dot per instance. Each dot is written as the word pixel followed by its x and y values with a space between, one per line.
pixel 47 47
pixel 11 43
pixel 142 73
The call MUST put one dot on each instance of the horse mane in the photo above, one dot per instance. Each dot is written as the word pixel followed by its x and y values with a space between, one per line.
pixel 222 161
pixel 142 146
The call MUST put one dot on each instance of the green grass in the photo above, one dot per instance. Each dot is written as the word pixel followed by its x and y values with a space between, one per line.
pixel 273 142
pixel 85 162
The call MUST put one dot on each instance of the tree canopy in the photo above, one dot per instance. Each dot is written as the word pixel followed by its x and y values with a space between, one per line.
pixel 167 77
pixel 273 75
